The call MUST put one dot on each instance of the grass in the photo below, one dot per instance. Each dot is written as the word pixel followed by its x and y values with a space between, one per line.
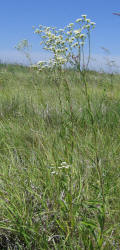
pixel 59 160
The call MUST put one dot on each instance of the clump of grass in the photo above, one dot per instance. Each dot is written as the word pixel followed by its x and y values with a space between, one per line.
pixel 51 191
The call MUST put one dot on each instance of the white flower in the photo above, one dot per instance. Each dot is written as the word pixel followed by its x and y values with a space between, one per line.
pixel 78 20
pixel 62 42
pixel 37 31
pixel 88 20
pixel 92 23
pixel 61 30
pixel 47 28
pixel 69 33
pixel 64 165
pixel 54 28
pixel 87 26
pixel 48 34
pixel 60 37
pixel 84 16
pixel 54 172
pixel 57 42
pixel 53 36
pixel 71 39
pixel 74 45
pixel 77 32
pixel 60 59
pixel 52 48
pixel 58 50
pixel 41 63
pixel 44 37
pixel 82 35
pixel 70 25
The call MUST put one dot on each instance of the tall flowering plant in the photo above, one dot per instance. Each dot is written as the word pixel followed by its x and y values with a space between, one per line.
pixel 67 44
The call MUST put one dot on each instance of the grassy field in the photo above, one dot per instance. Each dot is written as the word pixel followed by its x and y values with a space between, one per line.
pixel 59 160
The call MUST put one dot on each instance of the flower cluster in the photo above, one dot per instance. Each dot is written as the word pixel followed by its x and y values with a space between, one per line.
pixel 62 166
pixel 64 43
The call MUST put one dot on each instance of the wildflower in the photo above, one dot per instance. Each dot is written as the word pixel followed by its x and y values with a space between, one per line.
pixel 58 50
pixel 67 39
pixel 41 63
pixel 74 45
pixel 51 62
pixel 60 59
pixel 53 36
pixel 44 37
pixel 82 35
pixel 70 41
pixel 69 32
pixel 88 20
pixel 84 16
pixel 64 165
pixel 48 34
pixel 60 37
pixel 45 48
pixel 54 172
pixel 70 25
pixel 77 32
pixel 87 26
pixel 62 42
pixel 37 31
pixel 92 23
pixel 57 42
pixel 53 28
pixel 47 28
pixel 78 20
pixel 61 30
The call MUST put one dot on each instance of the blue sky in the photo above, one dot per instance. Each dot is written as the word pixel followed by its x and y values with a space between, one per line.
pixel 18 17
